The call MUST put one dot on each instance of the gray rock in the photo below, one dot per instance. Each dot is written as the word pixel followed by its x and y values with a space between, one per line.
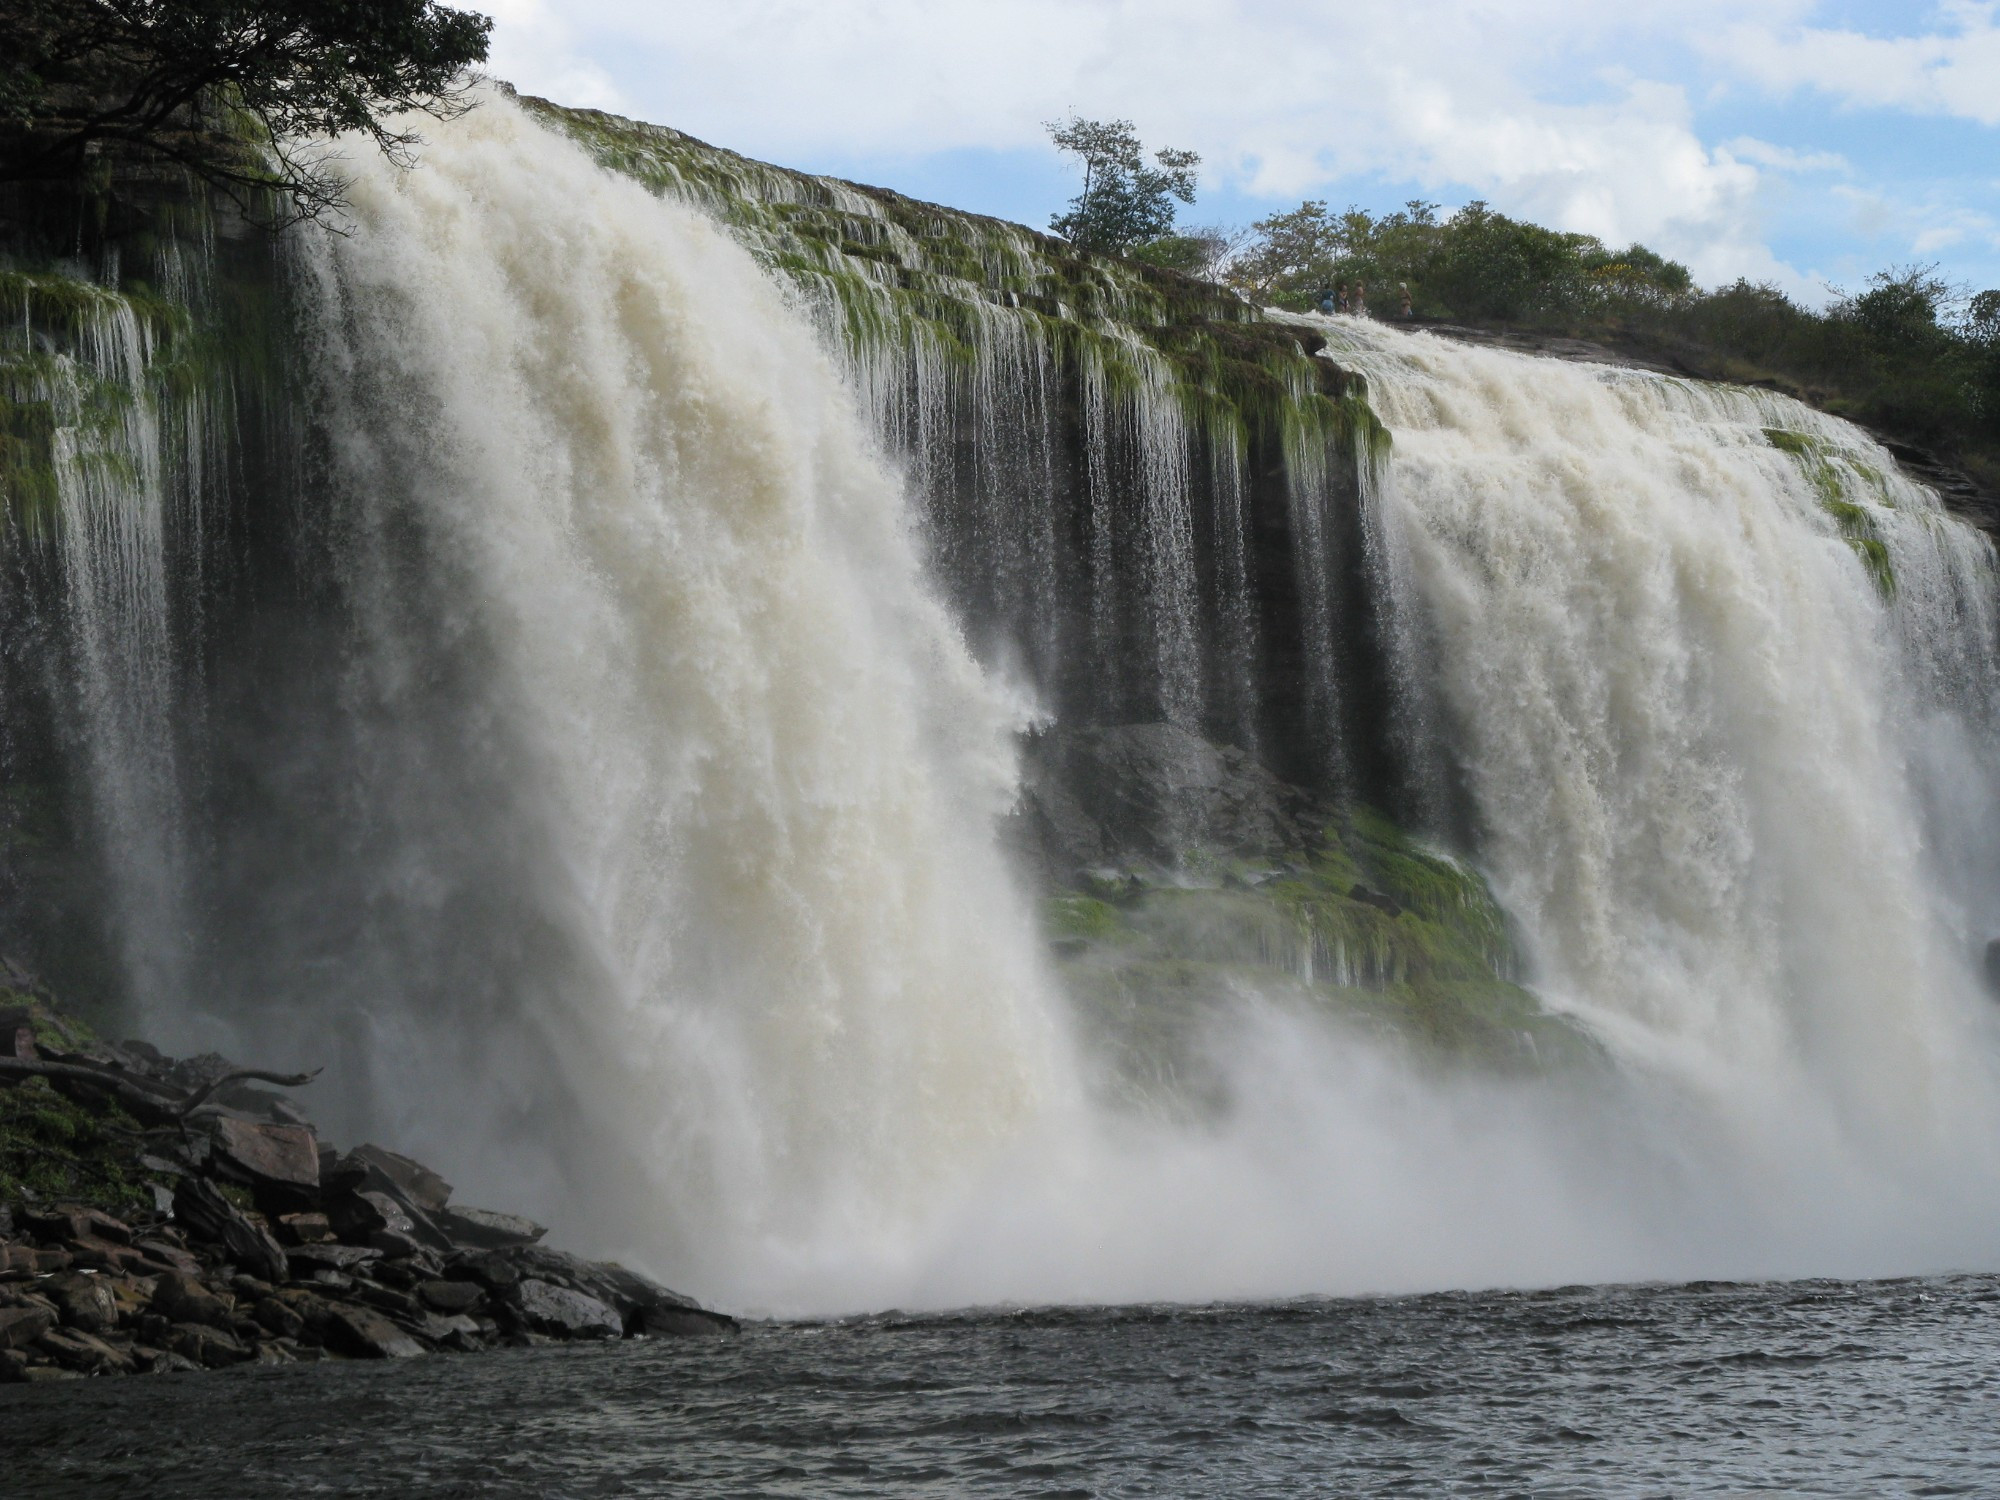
pixel 366 1334
pixel 85 1302
pixel 559 1312
pixel 412 1181
pixel 451 1296
pixel 182 1299
pixel 482 1229
pixel 311 1259
pixel 1153 793
pixel 85 1353
pixel 21 1326
pixel 270 1157
pixel 211 1348
pixel 686 1323
pixel 207 1213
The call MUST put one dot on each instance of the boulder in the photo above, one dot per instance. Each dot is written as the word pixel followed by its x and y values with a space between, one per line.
pixel 684 1323
pixel 271 1158
pixel 85 1302
pixel 451 1296
pixel 21 1326
pixel 208 1347
pixel 559 1312
pixel 208 1214
pixel 182 1299
pixel 305 1229
pixel 278 1319
pixel 365 1334
pixel 482 1229
pixel 373 1168
pixel 381 1217
pixel 73 1222
pixel 85 1353
pixel 308 1259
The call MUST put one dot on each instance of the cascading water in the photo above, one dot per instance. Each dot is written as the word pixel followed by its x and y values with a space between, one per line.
pixel 622 835
pixel 744 760
pixel 1699 737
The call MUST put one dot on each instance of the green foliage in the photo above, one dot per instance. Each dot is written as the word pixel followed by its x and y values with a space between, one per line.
pixel 1372 927
pixel 59 375
pixel 230 90
pixel 1124 202
pixel 1476 264
pixel 893 280
pixel 1909 353
pixel 61 1150
pixel 1855 522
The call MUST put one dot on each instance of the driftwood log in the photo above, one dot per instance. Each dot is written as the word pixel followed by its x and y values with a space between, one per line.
pixel 153 1102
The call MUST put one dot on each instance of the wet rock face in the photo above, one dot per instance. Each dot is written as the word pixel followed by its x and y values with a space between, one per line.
pixel 250 1239
pixel 1097 798
pixel 559 1312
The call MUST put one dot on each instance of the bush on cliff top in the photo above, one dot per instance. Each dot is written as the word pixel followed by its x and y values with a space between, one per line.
pixel 1909 353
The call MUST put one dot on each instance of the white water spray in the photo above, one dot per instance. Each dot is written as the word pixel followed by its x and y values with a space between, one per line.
pixel 757 766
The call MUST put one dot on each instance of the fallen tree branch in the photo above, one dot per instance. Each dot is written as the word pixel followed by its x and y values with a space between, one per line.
pixel 152 1101
pixel 237 1075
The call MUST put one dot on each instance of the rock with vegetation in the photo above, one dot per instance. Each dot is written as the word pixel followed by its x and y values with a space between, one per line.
pixel 161 1214
pixel 1185 878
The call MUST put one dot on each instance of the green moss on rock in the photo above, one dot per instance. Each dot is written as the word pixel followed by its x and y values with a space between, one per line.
pixel 58 1150
pixel 886 275
pixel 1372 928
pixel 1824 468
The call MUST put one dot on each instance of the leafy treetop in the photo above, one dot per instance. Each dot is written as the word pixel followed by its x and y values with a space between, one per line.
pixel 235 91
pixel 1124 202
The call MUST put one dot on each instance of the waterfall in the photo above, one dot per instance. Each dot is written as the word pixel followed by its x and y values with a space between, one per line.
pixel 1713 668
pixel 606 794
pixel 127 442
pixel 649 661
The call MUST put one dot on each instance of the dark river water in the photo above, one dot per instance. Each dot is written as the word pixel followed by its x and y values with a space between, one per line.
pixel 1802 1388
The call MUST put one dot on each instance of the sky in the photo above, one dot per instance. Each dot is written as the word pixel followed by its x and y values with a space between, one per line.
pixel 1808 143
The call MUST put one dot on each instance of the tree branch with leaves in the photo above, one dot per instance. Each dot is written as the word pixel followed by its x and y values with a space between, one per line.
pixel 243 95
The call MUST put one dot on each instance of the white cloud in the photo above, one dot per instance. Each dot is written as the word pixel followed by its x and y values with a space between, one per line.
pixel 1570 112
pixel 1783 159
pixel 1954 71
pixel 534 49
pixel 1532 104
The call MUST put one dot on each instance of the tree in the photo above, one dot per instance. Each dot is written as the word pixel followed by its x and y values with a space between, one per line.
pixel 1124 202
pixel 238 92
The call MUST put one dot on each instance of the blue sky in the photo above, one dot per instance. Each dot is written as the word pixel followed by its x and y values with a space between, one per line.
pixel 1784 140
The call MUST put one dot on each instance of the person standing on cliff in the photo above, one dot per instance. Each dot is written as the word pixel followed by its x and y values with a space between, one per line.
pixel 1358 304
pixel 1326 302
pixel 1340 297
pixel 1408 311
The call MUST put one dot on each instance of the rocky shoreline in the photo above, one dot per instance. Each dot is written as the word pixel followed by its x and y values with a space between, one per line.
pixel 160 1214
